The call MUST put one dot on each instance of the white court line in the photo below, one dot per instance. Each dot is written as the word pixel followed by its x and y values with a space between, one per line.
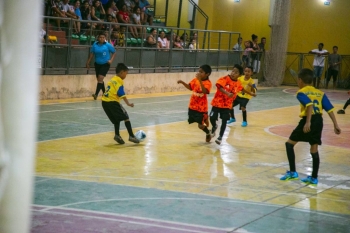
pixel 124 216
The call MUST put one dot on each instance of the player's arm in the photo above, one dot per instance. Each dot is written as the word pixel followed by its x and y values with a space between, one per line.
pixel 307 125
pixel 185 84
pixel 127 102
pixel 337 130
pixel 204 90
pixel 326 104
pixel 222 90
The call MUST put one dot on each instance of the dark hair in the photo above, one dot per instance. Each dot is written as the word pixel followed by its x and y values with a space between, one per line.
pixel 101 33
pixel 239 38
pixel 254 37
pixel 249 67
pixel 206 69
pixel 263 38
pixel 153 29
pixel 306 75
pixel 121 67
pixel 335 47
pixel 135 9
pixel 321 44
pixel 239 67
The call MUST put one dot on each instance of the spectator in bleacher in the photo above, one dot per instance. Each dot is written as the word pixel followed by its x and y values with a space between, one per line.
pixel 101 50
pixel 85 14
pixel 114 37
pixel 256 56
pixel 112 9
pixel 68 9
pixel 163 42
pixel 145 14
pixel 238 46
pixel 151 40
pixel 193 45
pixel 177 43
pixel 184 40
pixel 247 53
pixel 112 23
pixel 57 11
pixel 137 20
pixel 121 36
pixel 98 13
pixel 77 12
pixel 194 40
pixel 123 17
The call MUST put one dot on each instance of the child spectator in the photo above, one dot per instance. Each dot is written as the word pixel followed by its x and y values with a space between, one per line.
pixel 246 53
pixel 177 43
pixel 198 106
pixel 121 36
pixel 137 20
pixel 342 111
pixel 309 129
pixel 115 37
pixel 244 96
pixel 227 90
pixel 112 107
pixel 193 45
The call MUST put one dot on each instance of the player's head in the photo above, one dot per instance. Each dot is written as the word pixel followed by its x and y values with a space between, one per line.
pixel 248 71
pixel 305 76
pixel 121 70
pixel 204 72
pixel 236 72
pixel 320 46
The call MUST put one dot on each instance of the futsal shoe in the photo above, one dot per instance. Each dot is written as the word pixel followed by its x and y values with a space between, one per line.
pixel 119 139
pixel 290 176
pixel 208 137
pixel 231 120
pixel 95 96
pixel 310 180
pixel 134 140
pixel 213 131
pixel 218 140
pixel 341 111
pixel 244 124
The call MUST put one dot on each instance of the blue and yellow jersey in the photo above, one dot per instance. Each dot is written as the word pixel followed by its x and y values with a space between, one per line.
pixel 246 86
pixel 115 90
pixel 311 96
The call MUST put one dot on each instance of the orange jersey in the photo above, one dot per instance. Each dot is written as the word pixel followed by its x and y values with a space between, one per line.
pixel 221 100
pixel 199 101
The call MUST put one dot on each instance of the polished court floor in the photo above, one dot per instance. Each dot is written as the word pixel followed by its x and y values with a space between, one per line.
pixel 176 182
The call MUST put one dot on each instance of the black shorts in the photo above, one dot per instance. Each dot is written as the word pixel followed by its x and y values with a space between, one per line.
pixel 101 69
pixel 224 113
pixel 332 73
pixel 198 117
pixel 314 136
pixel 115 111
pixel 241 101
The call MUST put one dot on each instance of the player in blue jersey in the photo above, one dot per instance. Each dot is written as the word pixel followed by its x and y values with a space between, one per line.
pixel 309 129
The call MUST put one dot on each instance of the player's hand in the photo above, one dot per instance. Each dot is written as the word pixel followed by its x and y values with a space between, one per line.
pixel 87 65
pixel 109 62
pixel 337 130
pixel 179 81
pixel 131 105
pixel 230 95
pixel 306 128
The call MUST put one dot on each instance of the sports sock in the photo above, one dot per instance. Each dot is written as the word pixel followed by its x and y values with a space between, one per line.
pixel 206 130
pixel 116 128
pixel 128 127
pixel 223 127
pixel 213 121
pixel 232 112
pixel 103 87
pixel 291 156
pixel 244 113
pixel 98 88
pixel 346 104
pixel 315 164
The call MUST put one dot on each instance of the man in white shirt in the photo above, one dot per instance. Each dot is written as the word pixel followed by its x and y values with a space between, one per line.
pixel 318 64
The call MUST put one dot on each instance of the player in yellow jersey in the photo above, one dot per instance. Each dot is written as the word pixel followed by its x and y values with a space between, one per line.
pixel 111 103
pixel 309 129
pixel 244 96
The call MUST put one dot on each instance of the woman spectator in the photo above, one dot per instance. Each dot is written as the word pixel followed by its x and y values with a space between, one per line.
pixel 137 20
pixel 177 43
pixel 123 17
pixel 77 12
pixel 112 23
pixel 98 13
pixel 163 41
pixel 86 14
pixel 151 40
pixel 184 42
pixel 112 9
pixel 255 57
pixel 145 15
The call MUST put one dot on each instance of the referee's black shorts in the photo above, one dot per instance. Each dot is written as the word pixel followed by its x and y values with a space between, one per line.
pixel 101 69
pixel 314 136
pixel 115 111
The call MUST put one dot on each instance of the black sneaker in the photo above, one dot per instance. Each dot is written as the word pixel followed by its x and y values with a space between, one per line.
pixel 119 139
pixel 95 96
pixel 134 139
pixel 208 137
pixel 213 131
pixel 341 111
pixel 218 140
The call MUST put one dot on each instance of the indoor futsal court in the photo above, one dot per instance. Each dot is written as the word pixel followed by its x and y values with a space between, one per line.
pixel 176 182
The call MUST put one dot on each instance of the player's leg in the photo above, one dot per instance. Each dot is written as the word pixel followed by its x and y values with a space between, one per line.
pixel 315 166
pixel 243 105
pixel 224 115
pixel 292 173
pixel 213 118
pixel 111 111
pixel 232 111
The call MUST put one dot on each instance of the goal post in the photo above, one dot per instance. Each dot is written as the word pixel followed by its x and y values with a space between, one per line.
pixel 20 22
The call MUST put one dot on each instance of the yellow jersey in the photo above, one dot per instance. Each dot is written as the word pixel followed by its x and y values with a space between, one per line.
pixel 246 85
pixel 309 95
pixel 115 90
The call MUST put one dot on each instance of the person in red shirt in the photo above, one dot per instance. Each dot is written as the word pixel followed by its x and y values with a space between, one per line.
pixel 198 106
pixel 227 89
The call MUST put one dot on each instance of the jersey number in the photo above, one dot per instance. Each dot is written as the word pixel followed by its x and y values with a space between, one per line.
pixel 106 92
pixel 316 107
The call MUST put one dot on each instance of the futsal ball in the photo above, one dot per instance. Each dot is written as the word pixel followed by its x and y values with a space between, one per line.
pixel 140 135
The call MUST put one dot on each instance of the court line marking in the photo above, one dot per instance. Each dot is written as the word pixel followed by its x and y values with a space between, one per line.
pixel 130 222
